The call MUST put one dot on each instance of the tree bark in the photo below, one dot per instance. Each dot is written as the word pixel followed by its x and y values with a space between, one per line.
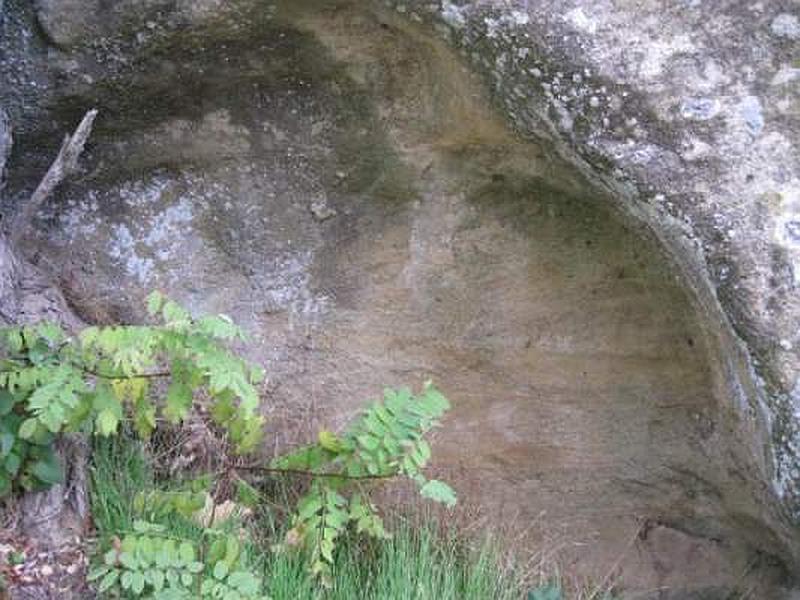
pixel 52 523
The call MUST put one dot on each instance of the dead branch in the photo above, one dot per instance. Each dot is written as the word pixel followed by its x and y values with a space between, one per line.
pixel 64 164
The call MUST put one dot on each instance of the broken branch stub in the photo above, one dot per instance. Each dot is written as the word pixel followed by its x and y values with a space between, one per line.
pixel 65 163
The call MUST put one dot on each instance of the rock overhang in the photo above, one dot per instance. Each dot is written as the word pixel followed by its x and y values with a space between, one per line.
pixel 691 118
pixel 682 131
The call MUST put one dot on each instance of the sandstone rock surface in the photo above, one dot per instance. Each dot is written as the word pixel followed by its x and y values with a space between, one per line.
pixel 579 217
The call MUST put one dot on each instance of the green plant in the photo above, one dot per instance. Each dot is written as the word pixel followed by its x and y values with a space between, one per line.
pixel 30 462
pixel 52 383
pixel 418 562
pixel 387 441
pixel 149 563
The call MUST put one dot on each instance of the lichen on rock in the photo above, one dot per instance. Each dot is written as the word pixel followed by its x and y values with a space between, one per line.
pixel 483 191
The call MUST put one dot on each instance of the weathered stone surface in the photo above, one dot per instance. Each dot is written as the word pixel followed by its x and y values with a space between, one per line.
pixel 9 272
pixel 332 176
pixel 5 144
pixel 696 115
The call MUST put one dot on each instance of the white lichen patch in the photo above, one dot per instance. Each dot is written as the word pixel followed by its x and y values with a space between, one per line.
pixel 699 109
pixel 786 74
pixel 290 288
pixel 786 230
pixel 453 15
pixel 657 52
pixel 751 112
pixel 154 237
pixel 144 227
pixel 123 247
pixel 786 25
pixel 580 20
pixel 164 234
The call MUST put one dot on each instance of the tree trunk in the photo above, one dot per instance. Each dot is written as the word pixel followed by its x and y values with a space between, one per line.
pixel 50 526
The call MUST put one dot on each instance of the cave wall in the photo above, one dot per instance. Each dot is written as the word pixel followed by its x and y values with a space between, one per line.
pixel 689 111
pixel 481 193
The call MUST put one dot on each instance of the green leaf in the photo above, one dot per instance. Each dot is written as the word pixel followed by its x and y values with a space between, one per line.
pixel 7 440
pixel 186 552
pixel 51 332
pixel 12 463
pixel 7 402
pixel 28 428
pixel 337 518
pixel 156 578
pixel 220 570
pixel 309 506
pixel 244 581
pixel 126 580
pixel 394 402
pixel 439 491
pixel 246 494
pixel 216 551
pixel 232 550
pixel 48 470
pixel 141 526
pixel 137 582
pixel 330 441
pixel 309 458
pixel 174 314
pixel 107 422
pixel 195 567
pixel 144 417
pixel 368 442
pixel 257 375
pixel 220 327
pixel 109 580
pixel 423 452
pixel 326 550
pixel 128 560
pixel 145 551
pixel 97 573
pixel 179 401
pixel 89 336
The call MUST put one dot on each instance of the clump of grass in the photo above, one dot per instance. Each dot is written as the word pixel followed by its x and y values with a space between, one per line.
pixel 419 562
pixel 119 471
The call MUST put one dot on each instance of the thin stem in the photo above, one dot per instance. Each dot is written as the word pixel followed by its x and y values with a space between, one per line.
pixel 314 474
pixel 94 373
pixel 89 371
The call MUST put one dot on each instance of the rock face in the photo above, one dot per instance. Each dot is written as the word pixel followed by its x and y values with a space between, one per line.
pixel 693 110
pixel 578 218
pixel 8 263
pixel 5 143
